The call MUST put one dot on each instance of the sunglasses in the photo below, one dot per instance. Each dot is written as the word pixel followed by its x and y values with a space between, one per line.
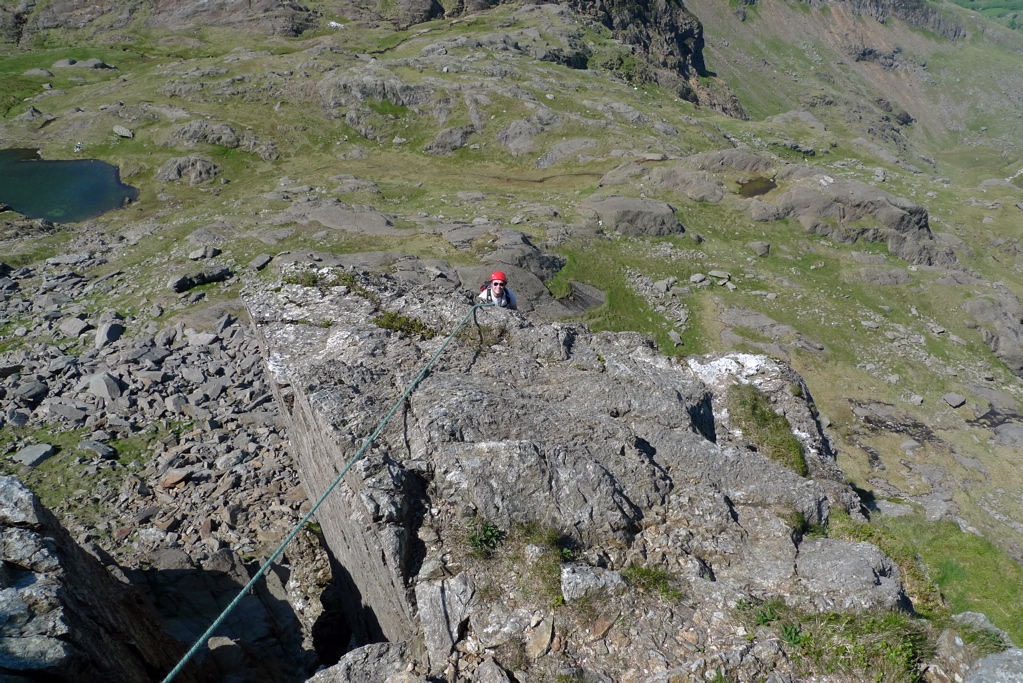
pixel 497 283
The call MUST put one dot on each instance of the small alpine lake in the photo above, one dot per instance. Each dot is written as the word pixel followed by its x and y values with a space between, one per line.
pixel 64 191
pixel 756 187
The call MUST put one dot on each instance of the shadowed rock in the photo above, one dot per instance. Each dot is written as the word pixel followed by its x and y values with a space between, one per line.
pixel 67 619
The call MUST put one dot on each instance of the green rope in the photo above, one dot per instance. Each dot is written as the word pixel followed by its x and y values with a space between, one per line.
pixel 294 532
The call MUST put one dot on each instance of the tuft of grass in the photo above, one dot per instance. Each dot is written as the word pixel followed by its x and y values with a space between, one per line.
pixel 653 580
pixel 400 323
pixel 305 278
pixel 544 576
pixel 771 433
pixel 879 645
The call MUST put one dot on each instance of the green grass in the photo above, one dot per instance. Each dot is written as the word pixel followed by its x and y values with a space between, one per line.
pixel 972 573
pixel 603 264
pixel 878 645
pixel 752 412
pixel 653 580
pixel 404 324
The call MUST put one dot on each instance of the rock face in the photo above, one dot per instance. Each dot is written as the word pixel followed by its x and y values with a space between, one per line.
pixel 65 617
pixel 596 437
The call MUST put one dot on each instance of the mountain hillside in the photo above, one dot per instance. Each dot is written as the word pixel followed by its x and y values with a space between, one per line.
pixel 835 188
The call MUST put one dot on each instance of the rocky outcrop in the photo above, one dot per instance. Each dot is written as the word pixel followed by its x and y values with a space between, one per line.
pixel 270 17
pixel 193 168
pixel 194 132
pixel 916 13
pixel 632 216
pixel 64 616
pixel 1000 317
pixel 616 449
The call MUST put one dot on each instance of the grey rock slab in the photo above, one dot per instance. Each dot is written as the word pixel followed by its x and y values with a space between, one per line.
pixel 31 392
pixel 35 454
pixel 443 611
pixel 580 581
pixel 953 399
pixel 849 575
pixel 260 262
pixel 337 216
pixel 761 249
pixel 33 653
pixel 17 418
pixel 1003 667
pixel 9 369
pixel 198 339
pixel 193 375
pixel 491 672
pixel 450 139
pixel 107 333
pixel 101 449
pixel 193 169
pixel 123 132
pixel 183 283
pixel 563 149
pixel 72 327
pixel 538 643
pixel 498 625
pixel 369 664
pixel 105 386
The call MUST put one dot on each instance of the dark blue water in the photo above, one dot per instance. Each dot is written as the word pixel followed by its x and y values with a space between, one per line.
pixel 60 191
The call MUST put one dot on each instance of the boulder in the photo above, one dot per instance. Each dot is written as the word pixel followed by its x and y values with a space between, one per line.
pixel 210 132
pixel 849 576
pixel 123 132
pixel 35 455
pixel 518 137
pixel 183 283
pixel 563 149
pixel 450 139
pixel 443 613
pixel 633 216
pixel 697 185
pixel 761 249
pixel 369 664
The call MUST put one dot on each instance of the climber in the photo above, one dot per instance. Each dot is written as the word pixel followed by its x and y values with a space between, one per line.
pixel 496 291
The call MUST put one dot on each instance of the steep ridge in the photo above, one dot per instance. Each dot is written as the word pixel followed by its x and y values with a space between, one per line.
pixel 628 458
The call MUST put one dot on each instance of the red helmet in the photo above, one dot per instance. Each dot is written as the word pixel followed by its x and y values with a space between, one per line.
pixel 499 276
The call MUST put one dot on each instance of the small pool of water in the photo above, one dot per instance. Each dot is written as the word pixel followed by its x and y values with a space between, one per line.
pixel 756 187
pixel 62 191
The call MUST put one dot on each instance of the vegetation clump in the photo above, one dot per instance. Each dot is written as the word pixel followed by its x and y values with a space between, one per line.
pixel 653 580
pixel 877 645
pixel 401 323
pixel 768 431
pixel 484 538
